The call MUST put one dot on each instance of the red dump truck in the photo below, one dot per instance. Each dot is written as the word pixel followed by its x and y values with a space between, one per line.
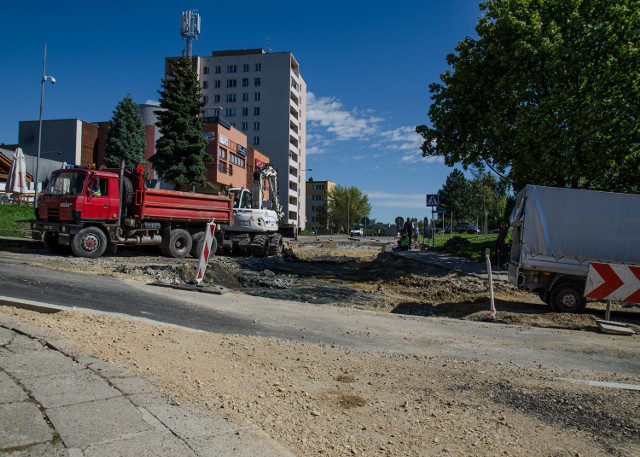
pixel 93 211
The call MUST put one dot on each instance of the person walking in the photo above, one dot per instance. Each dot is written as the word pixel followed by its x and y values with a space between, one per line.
pixel 408 230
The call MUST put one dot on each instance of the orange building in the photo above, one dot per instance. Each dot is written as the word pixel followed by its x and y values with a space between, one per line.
pixel 231 161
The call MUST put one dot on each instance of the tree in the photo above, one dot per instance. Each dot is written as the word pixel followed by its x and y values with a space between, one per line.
pixel 455 197
pixel 346 206
pixel 548 94
pixel 126 139
pixel 180 152
pixel 488 194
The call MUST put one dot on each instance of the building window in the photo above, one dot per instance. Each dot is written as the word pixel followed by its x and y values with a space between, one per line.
pixel 245 67
pixel 216 98
pixel 230 112
pixel 232 68
pixel 205 70
pixel 245 82
pixel 218 69
pixel 231 83
pixel 222 167
pixel 245 111
pixel 230 170
pixel 256 126
pixel 256 140
pixel 216 112
pixel 231 97
pixel 236 160
pixel 205 84
pixel 245 126
pixel 258 67
pixel 222 153
pixel 216 83
pixel 256 96
pixel 245 97
pixel 317 198
pixel 205 98
pixel 256 111
pixel 256 82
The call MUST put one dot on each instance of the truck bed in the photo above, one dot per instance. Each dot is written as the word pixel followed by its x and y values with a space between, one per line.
pixel 183 206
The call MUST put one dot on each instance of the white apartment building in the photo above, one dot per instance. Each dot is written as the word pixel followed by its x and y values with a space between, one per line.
pixel 263 95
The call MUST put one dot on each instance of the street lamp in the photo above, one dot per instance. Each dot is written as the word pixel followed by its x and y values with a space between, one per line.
pixel 44 80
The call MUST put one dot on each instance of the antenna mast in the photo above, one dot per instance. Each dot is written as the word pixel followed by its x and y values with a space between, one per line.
pixel 190 29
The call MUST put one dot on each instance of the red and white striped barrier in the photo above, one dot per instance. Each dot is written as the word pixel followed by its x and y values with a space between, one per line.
pixel 608 281
pixel 206 251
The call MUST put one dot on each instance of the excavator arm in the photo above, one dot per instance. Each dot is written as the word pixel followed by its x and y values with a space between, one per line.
pixel 270 174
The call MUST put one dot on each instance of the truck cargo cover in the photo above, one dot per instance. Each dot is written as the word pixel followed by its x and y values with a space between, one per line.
pixel 579 224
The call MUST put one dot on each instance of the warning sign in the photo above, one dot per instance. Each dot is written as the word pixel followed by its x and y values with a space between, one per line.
pixel 433 199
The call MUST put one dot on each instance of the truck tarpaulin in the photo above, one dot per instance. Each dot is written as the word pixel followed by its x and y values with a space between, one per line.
pixel 578 225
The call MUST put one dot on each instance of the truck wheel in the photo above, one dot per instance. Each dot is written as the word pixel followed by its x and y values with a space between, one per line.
pixel 198 245
pixel 53 247
pixel 90 242
pixel 277 245
pixel 127 191
pixel 567 297
pixel 178 245
pixel 260 246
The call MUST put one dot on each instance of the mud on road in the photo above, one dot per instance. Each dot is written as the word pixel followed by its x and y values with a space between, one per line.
pixel 355 274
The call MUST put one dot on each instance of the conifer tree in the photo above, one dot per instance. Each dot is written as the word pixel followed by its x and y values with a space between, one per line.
pixel 126 139
pixel 180 152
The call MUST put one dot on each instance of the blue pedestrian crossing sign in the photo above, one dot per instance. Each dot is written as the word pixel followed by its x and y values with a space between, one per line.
pixel 433 199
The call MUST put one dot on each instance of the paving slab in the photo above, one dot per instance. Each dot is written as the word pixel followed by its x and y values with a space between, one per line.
pixel 45 362
pixel 77 386
pixel 151 444
pixel 22 343
pixel 10 391
pixel 22 424
pixel 95 422
pixel 6 336
pixel 55 449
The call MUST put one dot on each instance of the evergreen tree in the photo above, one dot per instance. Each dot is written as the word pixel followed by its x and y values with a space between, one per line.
pixel 180 153
pixel 126 139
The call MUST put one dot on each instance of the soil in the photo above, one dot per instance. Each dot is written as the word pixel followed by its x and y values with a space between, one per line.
pixel 326 400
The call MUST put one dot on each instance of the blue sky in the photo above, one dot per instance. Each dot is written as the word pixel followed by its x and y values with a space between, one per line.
pixel 367 65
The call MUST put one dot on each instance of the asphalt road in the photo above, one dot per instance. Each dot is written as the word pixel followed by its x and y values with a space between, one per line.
pixel 235 313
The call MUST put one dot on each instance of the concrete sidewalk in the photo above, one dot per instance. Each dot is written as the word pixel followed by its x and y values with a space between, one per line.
pixel 57 403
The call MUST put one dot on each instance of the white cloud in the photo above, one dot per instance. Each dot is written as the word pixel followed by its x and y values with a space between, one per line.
pixel 330 114
pixel 393 200
pixel 330 122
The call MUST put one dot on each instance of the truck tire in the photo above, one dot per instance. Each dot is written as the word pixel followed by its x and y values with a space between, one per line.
pixel 53 247
pixel 177 244
pixel 127 192
pixel 277 245
pixel 198 245
pixel 566 297
pixel 90 242
pixel 260 246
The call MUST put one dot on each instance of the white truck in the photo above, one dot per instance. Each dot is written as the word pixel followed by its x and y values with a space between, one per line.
pixel 557 232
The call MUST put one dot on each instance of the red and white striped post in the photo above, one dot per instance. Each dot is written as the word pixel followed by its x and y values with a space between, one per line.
pixel 206 251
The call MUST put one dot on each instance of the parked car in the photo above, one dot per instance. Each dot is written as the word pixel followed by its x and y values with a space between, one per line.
pixel 466 228
pixel 357 231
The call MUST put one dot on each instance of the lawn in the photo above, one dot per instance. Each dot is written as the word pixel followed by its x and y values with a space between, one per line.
pixel 16 220
pixel 474 250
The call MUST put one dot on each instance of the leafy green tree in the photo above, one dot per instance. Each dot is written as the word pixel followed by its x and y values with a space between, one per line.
pixel 547 94
pixel 180 152
pixel 126 139
pixel 347 206
pixel 488 194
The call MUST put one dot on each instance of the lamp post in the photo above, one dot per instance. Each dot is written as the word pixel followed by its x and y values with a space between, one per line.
pixel 44 80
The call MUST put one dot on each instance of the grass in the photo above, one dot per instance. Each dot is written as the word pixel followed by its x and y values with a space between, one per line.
pixel 475 250
pixel 16 220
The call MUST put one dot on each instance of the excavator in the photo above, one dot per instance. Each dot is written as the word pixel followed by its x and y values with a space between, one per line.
pixel 258 225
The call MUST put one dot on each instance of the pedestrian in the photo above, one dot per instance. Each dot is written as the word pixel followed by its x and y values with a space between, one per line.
pixel 502 244
pixel 415 231
pixel 408 230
